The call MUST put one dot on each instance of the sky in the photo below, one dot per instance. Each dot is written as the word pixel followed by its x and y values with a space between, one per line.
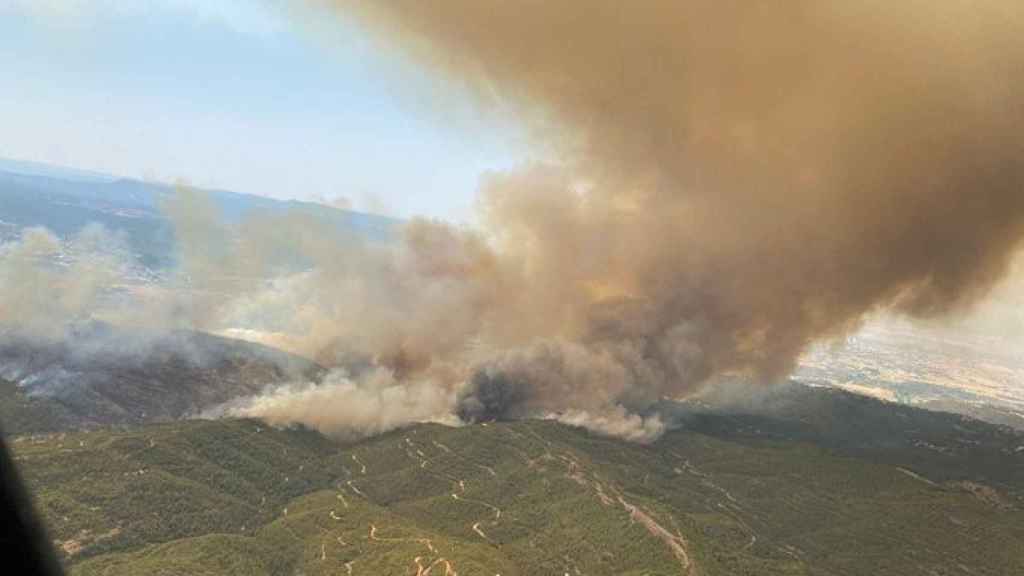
pixel 246 95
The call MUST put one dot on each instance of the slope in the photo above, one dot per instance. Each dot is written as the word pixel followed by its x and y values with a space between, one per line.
pixel 530 497
pixel 114 376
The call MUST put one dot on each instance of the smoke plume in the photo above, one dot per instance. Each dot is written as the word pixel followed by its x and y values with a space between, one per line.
pixel 731 182
pixel 346 407
pixel 735 180
pixel 47 285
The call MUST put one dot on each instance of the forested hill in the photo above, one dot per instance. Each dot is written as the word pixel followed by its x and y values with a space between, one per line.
pixel 106 376
pixel 728 493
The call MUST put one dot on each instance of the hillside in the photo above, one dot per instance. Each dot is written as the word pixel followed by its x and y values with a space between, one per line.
pixel 728 493
pixel 113 376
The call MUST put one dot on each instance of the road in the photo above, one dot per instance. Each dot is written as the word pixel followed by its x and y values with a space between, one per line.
pixel 362 466
pixel 355 489
pixel 675 543
pixel 476 526
pixel 420 569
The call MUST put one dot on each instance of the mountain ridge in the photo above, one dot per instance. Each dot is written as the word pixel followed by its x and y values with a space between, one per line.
pixel 113 377
pixel 65 205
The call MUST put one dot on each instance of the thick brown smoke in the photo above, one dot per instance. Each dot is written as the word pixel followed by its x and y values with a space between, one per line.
pixel 737 179
pixel 732 180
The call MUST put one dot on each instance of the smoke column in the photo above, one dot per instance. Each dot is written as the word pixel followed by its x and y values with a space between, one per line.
pixel 730 181
pixel 734 181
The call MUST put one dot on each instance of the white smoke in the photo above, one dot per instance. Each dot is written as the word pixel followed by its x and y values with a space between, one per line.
pixel 615 422
pixel 47 285
pixel 348 407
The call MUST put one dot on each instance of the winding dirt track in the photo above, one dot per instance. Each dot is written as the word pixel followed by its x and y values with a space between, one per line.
pixel 730 508
pixel 476 526
pixel 419 456
pixel 362 466
pixel 448 569
pixel 675 543
pixel 421 570
pixel 424 541
pixel 355 489
pixel 917 477
pixel 495 509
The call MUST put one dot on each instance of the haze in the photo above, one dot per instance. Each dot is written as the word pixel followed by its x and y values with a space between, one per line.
pixel 244 95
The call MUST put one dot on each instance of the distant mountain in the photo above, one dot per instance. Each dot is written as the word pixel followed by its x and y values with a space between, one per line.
pixel 118 377
pixel 30 168
pixel 65 200
pixel 819 482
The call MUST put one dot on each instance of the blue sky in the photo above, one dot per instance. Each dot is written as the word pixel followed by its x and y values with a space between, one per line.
pixel 245 95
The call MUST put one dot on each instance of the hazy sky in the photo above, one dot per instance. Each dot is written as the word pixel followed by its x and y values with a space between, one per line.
pixel 238 94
